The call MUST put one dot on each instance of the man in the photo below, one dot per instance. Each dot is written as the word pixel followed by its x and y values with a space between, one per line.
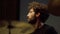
pixel 37 16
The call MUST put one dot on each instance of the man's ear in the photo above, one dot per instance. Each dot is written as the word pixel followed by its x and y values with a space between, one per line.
pixel 38 14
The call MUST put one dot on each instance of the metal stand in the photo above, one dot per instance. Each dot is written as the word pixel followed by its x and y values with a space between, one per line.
pixel 10 27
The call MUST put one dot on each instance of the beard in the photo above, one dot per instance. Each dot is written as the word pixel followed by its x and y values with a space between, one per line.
pixel 33 21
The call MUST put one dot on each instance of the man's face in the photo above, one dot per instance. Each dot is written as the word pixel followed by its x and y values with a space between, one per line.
pixel 31 15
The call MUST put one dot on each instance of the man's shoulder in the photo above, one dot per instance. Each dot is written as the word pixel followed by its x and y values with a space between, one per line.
pixel 49 29
pixel 45 26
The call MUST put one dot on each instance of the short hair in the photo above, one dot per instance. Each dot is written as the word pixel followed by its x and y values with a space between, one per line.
pixel 41 8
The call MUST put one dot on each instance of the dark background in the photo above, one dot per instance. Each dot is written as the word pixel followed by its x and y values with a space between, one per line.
pixel 52 20
pixel 9 9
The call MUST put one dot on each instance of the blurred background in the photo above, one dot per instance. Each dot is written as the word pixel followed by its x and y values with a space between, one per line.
pixel 14 11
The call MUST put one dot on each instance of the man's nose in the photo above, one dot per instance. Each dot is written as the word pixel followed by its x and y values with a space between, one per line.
pixel 27 16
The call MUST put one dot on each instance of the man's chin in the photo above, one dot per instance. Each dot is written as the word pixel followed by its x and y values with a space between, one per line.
pixel 32 21
pixel 28 20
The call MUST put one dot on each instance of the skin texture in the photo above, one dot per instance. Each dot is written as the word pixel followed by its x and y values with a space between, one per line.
pixel 31 14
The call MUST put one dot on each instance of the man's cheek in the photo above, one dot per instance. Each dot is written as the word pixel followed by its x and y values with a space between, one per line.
pixel 30 16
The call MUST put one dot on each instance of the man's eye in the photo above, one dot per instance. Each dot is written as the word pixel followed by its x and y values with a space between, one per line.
pixel 31 12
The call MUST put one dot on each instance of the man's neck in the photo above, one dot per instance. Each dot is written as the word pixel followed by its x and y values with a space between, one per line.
pixel 38 24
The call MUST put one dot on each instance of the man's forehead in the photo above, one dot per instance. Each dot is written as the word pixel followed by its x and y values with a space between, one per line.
pixel 31 9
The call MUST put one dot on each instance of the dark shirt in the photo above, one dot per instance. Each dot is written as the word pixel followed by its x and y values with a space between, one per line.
pixel 45 29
